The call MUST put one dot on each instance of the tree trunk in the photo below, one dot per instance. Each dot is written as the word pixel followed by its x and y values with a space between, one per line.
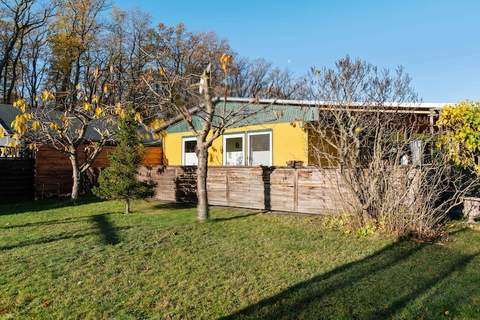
pixel 202 197
pixel 75 176
pixel 127 206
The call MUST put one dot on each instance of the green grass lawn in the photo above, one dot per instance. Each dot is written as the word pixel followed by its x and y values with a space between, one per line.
pixel 91 261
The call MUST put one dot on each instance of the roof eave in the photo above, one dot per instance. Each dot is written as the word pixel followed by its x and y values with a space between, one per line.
pixel 405 105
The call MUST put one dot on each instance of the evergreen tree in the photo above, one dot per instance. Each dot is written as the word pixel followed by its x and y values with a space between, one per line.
pixel 119 180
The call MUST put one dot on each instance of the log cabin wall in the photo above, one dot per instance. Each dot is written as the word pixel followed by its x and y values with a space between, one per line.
pixel 303 190
pixel 53 172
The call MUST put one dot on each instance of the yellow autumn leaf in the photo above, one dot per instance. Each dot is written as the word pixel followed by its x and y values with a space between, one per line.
pixel 35 125
pixel 138 117
pixel 54 126
pixel 65 120
pixel 98 112
pixel 105 88
pixel 156 124
pixel 20 104
pixel 87 106
pixel 120 111
pixel 95 99
pixel 47 95
pixel 19 125
pixel 2 133
pixel 225 61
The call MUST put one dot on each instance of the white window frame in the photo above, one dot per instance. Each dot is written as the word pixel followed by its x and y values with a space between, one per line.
pixel 186 139
pixel 224 146
pixel 257 133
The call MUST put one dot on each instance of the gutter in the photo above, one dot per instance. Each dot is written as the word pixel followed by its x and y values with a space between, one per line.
pixel 316 103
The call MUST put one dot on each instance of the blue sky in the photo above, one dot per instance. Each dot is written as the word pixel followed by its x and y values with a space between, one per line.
pixel 438 42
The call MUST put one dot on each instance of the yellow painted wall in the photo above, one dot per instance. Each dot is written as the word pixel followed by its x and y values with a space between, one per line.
pixel 289 141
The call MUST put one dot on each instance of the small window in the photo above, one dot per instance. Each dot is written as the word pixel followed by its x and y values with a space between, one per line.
pixel 260 148
pixel 189 156
pixel 233 147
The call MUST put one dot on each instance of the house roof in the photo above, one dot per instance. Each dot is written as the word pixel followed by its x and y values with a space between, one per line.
pixel 278 111
pixel 260 114
pixel 7 115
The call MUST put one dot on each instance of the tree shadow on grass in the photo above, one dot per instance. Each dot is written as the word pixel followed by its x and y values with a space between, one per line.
pixel 107 231
pixel 239 216
pixel 47 223
pixel 175 205
pixel 66 236
pixel 41 205
pixel 379 286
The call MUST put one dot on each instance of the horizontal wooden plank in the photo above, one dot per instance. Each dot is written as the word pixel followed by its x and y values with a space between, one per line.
pixel 239 187
pixel 53 167
pixel 305 190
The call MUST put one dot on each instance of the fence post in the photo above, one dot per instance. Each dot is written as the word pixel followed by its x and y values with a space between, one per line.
pixel 227 186
pixel 295 190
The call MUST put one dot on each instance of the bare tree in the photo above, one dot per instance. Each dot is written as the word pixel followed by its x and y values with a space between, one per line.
pixel 250 78
pixel 125 43
pixel 371 128
pixel 18 19
pixel 34 65
pixel 259 79
pixel 186 74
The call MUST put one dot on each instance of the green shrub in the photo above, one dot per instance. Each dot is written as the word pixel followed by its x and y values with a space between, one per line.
pixel 119 181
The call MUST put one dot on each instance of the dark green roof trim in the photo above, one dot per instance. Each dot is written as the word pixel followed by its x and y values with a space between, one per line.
pixel 274 113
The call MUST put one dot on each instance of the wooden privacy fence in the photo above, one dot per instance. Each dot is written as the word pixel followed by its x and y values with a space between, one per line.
pixel 53 170
pixel 304 190
pixel 16 179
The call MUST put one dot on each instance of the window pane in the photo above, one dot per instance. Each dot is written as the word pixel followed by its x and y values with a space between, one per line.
pixel 190 146
pixel 234 144
pixel 260 150
pixel 234 151
pixel 260 142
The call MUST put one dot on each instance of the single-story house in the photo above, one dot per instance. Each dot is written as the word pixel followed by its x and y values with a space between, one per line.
pixel 273 137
